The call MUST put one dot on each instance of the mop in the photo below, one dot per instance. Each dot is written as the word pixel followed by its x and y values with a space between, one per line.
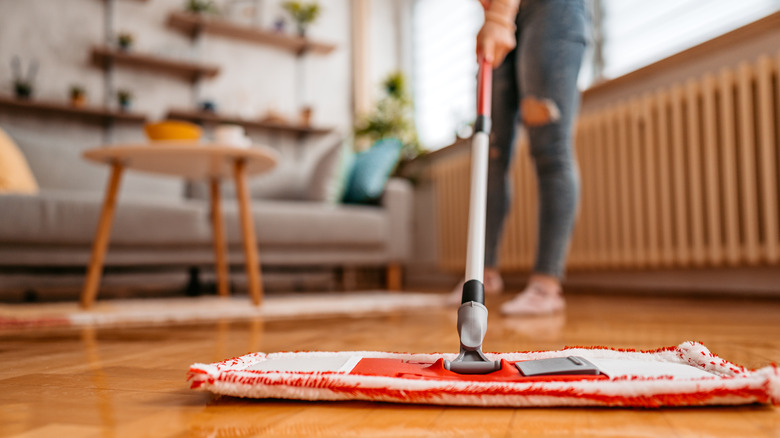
pixel 686 375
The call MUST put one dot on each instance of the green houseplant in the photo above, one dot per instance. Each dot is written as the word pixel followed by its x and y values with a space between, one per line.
pixel 24 84
pixel 125 99
pixel 201 6
pixel 125 40
pixel 303 13
pixel 78 95
pixel 393 117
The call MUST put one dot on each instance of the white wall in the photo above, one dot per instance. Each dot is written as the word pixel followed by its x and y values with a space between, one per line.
pixel 253 78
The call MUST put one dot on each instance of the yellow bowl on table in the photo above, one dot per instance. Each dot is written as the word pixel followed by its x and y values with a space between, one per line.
pixel 172 130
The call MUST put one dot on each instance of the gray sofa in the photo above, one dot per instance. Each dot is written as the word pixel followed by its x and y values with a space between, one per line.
pixel 165 222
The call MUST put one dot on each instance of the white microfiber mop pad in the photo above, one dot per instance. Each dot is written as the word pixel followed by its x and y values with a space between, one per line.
pixel 686 375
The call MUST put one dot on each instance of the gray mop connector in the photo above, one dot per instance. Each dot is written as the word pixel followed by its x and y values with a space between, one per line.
pixel 472 325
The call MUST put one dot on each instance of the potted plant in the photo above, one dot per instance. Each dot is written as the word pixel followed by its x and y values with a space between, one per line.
pixel 305 115
pixel 24 85
pixel 303 13
pixel 78 96
pixel 201 6
pixel 124 98
pixel 125 41
pixel 393 117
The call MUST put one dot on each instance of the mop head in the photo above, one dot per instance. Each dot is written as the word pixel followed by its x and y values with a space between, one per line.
pixel 686 375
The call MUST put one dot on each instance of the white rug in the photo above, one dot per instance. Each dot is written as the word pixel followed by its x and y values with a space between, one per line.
pixel 180 310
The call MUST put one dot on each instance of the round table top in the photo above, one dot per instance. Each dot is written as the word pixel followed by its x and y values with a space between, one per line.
pixel 189 160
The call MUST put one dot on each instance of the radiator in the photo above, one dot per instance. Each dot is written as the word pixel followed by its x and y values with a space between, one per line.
pixel 686 176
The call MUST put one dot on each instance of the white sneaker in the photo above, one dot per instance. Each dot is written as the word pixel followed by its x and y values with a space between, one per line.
pixel 534 301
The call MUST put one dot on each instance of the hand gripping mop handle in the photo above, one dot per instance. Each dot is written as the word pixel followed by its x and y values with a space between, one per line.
pixel 472 314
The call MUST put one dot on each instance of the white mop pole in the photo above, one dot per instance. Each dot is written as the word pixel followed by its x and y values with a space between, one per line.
pixel 475 249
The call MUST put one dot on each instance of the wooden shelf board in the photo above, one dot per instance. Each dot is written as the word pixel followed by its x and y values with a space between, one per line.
pixel 89 113
pixel 192 24
pixel 102 56
pixel 211 118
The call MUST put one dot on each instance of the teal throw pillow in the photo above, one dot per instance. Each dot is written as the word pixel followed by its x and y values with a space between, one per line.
pixel 370 171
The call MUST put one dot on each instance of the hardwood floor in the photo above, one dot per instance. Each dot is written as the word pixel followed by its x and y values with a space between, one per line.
pixel 130 382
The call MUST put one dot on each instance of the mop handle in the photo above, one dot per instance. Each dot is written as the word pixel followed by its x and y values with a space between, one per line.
pixel 484 87
pixel 475 253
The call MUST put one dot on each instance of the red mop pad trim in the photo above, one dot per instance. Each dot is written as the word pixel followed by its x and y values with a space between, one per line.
pixel 686 375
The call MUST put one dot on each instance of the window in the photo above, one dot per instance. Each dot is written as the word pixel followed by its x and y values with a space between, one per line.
pixel 634 33
pixel 444 67
pixel 639 32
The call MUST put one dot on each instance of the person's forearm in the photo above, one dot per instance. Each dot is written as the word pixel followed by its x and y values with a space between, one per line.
pixel 502 12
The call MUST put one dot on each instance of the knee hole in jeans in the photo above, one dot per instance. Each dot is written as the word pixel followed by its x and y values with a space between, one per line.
pixel 539 112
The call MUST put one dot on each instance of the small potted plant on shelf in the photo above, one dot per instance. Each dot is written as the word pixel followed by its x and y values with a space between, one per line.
pixel 304 14
pixel 24 85
pixel 305 115
pixel 78 96
pixel 125 41
pixel 201 7
pixel 125 99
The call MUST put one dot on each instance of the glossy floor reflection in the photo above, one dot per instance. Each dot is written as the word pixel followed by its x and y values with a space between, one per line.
pixel 130 382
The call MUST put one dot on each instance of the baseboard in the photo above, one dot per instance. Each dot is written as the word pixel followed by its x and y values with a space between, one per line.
pixel 754 281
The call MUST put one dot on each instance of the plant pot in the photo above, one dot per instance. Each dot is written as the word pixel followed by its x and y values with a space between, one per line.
pixel 23 91
pixel 78 101
pixel 306 113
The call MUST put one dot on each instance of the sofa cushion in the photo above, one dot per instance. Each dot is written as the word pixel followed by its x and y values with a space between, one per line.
pixel 293 179
pixel 370 172
pixel 15 173
pixel 70 217
pixel 324 183
pixel 310 224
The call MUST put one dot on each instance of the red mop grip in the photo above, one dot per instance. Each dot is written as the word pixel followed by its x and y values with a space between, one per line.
pixel 484 86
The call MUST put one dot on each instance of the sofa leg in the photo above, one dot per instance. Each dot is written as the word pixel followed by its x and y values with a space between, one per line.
pixel 349 277
pixel 194 287
pixel 394 276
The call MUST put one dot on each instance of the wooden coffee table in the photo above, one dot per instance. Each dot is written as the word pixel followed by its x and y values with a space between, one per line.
pixel 193 161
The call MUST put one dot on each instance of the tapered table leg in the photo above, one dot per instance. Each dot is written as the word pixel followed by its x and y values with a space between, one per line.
pixel 102 235
pixel 218 229
pixel 248 230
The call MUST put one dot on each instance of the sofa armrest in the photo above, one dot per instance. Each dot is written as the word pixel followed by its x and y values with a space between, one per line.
pixel 397 199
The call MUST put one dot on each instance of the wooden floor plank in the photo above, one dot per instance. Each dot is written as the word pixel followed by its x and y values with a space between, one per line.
pixel 130 381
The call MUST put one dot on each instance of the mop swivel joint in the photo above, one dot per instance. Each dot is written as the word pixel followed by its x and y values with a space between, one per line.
pixel 472 325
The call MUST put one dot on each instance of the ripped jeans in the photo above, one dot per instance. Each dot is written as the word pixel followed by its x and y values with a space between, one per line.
pixel 537 85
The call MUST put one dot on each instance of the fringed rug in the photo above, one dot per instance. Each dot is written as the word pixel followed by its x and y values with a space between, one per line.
pixel 183 310
pixel 686 375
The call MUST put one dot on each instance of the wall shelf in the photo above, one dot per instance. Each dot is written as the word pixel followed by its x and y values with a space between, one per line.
pixel 103 56
pixel 193 24
pixel 91 114
pixel 208 118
